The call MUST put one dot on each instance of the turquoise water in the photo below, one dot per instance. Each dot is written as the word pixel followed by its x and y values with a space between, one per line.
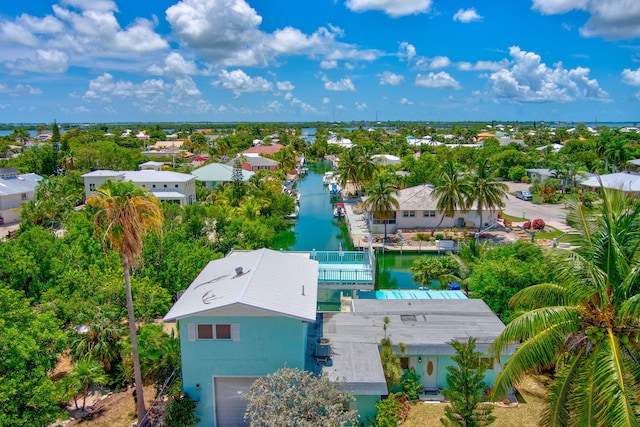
pixel 316 228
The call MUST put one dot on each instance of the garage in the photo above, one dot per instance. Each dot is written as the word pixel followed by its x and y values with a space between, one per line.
pixel 230 406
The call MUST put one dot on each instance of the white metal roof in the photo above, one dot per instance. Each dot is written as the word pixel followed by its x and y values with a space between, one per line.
pixel 273 281
pixel 621 181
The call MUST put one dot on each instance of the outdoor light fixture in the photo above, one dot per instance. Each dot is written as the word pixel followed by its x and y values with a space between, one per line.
pixel 198 387
pixel 419 359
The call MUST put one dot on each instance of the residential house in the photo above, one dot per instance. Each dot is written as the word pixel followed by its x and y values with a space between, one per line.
pixel 15 189
pixel 252 313
pixel 254 162
pixel 151 165
pixel 386 159
pixel 418 209
pixel 167 186
pixel 263 149
pixel 625 181
pixel 215 174
pixel 424 326
pixel 245 316
pixel 540 175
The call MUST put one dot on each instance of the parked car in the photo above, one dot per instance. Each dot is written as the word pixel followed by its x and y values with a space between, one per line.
pixel 524 195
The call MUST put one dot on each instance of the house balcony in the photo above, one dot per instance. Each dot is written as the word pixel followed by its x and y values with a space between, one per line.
pixel 345 270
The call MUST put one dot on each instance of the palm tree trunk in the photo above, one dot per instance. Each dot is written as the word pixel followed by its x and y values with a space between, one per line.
pixel 436 227
pixel 137 374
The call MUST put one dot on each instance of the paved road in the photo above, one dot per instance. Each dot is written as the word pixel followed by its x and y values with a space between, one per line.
pixel 554 215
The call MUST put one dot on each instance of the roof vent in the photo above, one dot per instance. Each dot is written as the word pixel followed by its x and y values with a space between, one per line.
pixel 239 271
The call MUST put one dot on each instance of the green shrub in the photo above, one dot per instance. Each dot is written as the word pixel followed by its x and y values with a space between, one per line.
pixel 439 236
pixel 391 411
pixel 180 412
pixel 411 384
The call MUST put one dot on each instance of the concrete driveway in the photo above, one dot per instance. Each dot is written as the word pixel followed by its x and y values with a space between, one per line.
pixel 554 215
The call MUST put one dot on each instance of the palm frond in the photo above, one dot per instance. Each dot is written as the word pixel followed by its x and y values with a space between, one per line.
pixel 544 294
pixel 538 350
pixel 534 322
pixel 556 411
pixel 615 387
pixel 582 404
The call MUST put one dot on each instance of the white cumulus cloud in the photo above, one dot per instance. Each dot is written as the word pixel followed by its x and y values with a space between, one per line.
pixel 240 82
pixel 344 84
pixel 631 78
pixel 467 15
pixel 393 8
pixel 391 79
pixel 528 79
pixel 174 65
pixel 610 19
pixel 441 80
pixel 407 50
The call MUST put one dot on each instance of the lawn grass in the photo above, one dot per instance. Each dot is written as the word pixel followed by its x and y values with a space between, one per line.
pixel 526 414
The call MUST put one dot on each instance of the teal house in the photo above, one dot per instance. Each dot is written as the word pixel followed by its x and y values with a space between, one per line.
pixel 252 313
pixel 216 174
pixel 243 317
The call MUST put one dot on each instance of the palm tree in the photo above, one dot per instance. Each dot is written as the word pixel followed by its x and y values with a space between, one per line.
pixel 452 190
pixel 84 374
pixel 381 199
pixel 125 214
pixel 349 169
pixel 101 342
pixel 486 191
pixel 587 324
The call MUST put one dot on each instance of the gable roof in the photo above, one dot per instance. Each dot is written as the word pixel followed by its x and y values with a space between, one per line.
pixel 622 181
pixel 273 281
pixel 264 149
pixel 217 172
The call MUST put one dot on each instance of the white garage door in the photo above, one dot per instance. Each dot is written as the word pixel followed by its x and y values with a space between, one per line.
pixel 230 405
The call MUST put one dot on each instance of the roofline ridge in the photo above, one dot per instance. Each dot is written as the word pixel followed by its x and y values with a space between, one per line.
pixel 251 273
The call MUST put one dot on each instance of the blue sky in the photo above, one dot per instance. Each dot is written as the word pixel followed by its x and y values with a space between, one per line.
pixel 276 60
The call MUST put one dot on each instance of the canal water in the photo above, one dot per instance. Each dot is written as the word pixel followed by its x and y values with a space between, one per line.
pixel 316 228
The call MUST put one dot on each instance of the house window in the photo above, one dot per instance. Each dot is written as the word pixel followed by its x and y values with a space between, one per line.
pixel 92 187
pixel 487 361
pixel 153 186
pixel 427 214
pixel 223 332
pixel 177 186
pixel 144 186
pixel 404 362
pixel 165 186
pixel 409 214
pixel 205 332
pixel 23 196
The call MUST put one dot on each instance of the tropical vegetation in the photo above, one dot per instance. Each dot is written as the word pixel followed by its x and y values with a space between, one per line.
pixel 585 323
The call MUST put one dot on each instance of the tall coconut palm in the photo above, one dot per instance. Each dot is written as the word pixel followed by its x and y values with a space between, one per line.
pixel 125 214
pixel 381 199
pixel 487 193
pixel 349 168
pixel 587 324
pixel 452 190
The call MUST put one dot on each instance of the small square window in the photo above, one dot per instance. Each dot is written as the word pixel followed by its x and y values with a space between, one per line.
pixel 92 187
pixel 154 186
pixel 177 186
pixel 205 332
pixel 24 196
pixel 404 362
pixel 487 361
pixel 223 332
pixel 165 186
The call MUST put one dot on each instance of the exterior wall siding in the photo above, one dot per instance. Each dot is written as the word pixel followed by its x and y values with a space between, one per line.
pixel 266 344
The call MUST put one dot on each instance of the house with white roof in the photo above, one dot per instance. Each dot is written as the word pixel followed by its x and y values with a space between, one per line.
pixel 215 174
pixel 167 186
pixel 418 209
pixel 15 189
pixel 253 312
pixel 625 181
pixel 245 316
